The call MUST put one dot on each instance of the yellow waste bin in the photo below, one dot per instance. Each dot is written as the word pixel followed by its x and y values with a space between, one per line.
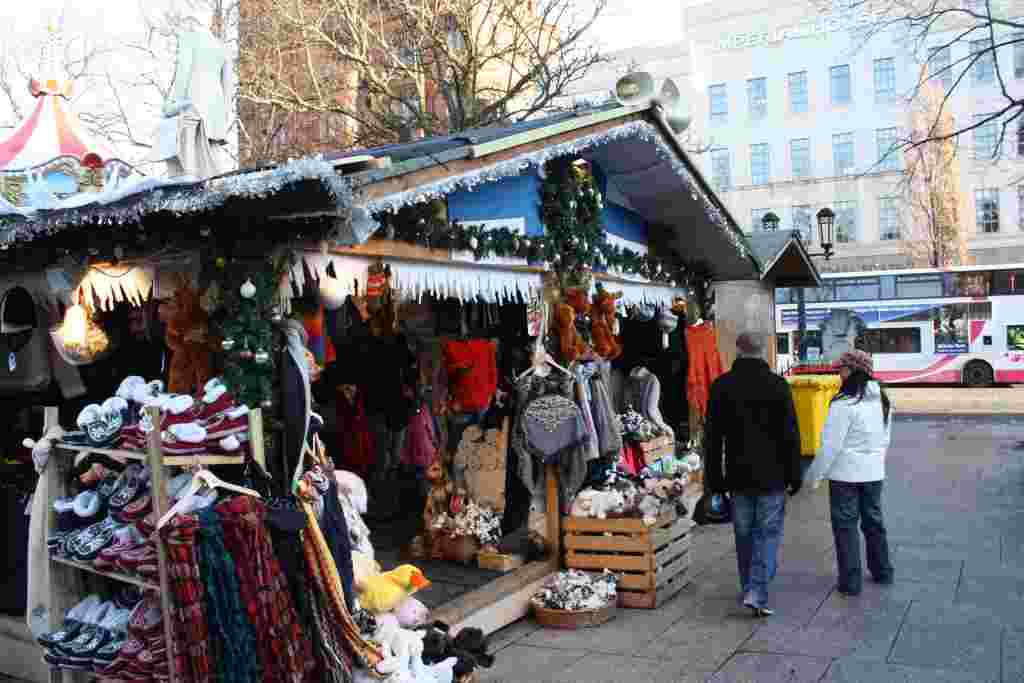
pixel 811 395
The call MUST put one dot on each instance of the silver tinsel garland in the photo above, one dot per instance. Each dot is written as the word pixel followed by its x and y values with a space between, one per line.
pixel 516 165
pixel 181 201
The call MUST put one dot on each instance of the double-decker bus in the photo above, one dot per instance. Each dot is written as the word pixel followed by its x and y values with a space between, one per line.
pixel 961 324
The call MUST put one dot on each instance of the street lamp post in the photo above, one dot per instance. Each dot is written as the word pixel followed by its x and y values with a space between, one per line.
pixel 826 224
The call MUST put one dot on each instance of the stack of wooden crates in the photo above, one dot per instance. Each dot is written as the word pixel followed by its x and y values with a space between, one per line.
pixel 652 562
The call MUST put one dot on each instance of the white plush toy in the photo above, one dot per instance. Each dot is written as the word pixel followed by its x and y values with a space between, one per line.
pixel 354 487
pixel 401 646
pixel 442 672
pixel 650 506
pixel 591 503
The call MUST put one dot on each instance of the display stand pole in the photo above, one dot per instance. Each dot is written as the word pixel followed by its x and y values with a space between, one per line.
pixel 554 513
pixel 160 506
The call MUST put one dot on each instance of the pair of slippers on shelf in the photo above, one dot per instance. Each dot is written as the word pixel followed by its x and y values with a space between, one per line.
pixel 99 425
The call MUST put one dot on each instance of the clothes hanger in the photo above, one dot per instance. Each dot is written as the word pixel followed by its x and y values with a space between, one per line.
pixel 203 477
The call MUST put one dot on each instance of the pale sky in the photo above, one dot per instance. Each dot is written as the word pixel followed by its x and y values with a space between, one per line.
pixel 624 24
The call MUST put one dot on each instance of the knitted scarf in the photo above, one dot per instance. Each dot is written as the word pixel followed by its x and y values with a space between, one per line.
pixel 229 624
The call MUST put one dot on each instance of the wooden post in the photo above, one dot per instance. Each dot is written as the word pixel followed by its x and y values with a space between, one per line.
pixel 62 583
pixel 160 507
pixel 554 513
pixel 256 437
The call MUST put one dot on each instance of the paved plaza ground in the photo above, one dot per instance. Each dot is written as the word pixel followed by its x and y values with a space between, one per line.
pixel 954 501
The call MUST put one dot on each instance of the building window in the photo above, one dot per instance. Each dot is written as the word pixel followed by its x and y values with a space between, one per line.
pixel 891 340
pixel 984 68
pixel 885 77
pixel 759 164
pixel 1020 207
pixel 803 222
pixel 798 92
pixel 846 222
pixel 940 68
pixel 1020 138
pixel 986 209
pixel 757 97
pixel 1018 55
pixel 840 78
pixel 888 154
pixel 842 153
pixel 719 103
pixel 800 157
pixel 986 138
pixel 888 218
pixel 721 175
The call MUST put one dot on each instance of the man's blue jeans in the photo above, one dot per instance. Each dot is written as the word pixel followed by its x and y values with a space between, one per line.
pixel 758 522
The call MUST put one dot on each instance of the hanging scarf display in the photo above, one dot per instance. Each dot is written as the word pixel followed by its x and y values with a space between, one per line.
pixel 705 364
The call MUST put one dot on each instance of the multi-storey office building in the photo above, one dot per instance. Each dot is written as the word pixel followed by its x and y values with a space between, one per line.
pixel 795 110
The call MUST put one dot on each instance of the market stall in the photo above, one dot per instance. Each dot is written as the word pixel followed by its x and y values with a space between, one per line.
pixel 454 344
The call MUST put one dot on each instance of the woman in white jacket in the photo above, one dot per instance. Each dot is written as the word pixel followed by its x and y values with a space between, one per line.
pixel 852 458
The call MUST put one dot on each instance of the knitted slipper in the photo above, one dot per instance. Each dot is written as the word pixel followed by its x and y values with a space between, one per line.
pixel 88 508
pixel 137 509
pixel 91 622
pixel 125 538
pixel 135 481
pixel 73 623
pixel 114 623
pixel 147 620
pixel 188 432
pixel 90 545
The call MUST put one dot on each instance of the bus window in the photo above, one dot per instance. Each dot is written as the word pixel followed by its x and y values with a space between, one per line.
pixel 1015 337
pixel 967 284
pixel 888 286
pixel 782 343
pixel 857 289
pixel 783 295
pixel 813 295
pixel 980 310
pixel 918 286
pixel 1008 282
pixel 891 340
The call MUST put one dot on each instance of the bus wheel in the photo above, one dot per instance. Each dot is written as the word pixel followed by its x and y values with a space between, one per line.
pixel 978 373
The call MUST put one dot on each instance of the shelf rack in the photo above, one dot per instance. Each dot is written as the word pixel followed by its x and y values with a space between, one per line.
pixel 67 578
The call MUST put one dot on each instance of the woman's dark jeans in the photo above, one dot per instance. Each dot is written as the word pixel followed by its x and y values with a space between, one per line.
pixel 849 503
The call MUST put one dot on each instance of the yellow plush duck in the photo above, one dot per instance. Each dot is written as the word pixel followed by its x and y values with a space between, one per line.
pixel 384 592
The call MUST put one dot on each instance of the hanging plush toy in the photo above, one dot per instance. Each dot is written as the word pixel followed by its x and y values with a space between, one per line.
pixel 188 339
pixel 602 326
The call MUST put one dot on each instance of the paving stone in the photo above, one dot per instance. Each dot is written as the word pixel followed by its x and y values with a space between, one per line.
pixel 851 670
pixel 833 632
pixel 771 668
pixel 1013 655
pixel 530 664
pixel 510 634
pixel 990 591
pixel 601 668
pixel 704 645
pixel 629 632
pixel 1008 615
pixel 972 648
pixel 900 593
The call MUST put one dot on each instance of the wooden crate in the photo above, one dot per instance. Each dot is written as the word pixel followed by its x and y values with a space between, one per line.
pixel 652 561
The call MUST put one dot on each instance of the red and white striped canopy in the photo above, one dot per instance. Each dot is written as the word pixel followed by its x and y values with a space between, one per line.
pixel 50 132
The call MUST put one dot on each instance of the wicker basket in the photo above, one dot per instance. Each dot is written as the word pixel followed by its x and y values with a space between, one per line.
pixel 566 619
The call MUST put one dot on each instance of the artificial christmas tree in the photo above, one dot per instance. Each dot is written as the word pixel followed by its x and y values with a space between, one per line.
pixel 248 338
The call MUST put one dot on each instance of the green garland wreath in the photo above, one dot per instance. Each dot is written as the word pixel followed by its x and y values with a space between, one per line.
pixel 574 233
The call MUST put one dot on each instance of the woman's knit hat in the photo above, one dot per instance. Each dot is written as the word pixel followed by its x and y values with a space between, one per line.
pixel 858 360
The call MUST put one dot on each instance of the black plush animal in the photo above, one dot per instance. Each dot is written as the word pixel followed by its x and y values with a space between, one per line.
pixel 469 647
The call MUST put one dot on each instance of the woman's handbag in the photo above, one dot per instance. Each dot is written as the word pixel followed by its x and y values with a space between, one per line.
pixel 713 508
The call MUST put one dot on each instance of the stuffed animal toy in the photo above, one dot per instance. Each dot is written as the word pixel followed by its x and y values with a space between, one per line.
pixel 411 613
pixel 364 568
pixel 592 503
pixel 188 339
pixel 436 505
pixel 401 646
pixel 384 592
pixel 469 647
pixel 583 504
pixel 602 326
pixel 650 506
pixel 352 485
pixel 571 347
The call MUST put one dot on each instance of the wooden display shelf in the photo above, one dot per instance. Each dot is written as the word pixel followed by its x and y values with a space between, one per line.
pixel 116 576
pixel 652 562
pixel 167 460
pixel 66 588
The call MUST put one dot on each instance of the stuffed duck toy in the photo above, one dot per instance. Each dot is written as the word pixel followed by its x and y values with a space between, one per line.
pixel 384 592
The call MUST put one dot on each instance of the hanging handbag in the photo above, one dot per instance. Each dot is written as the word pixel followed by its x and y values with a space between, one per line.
pixel 713 508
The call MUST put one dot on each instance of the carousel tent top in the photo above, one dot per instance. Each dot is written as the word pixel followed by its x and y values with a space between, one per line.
pixel 51 133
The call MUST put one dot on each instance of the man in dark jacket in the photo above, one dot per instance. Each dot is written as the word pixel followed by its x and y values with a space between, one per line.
pixel 751 414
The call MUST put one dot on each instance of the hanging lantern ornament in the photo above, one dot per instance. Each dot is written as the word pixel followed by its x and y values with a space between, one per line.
pixel 227 344
pixel 247 290
pixel 261 357
pixel 79 340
